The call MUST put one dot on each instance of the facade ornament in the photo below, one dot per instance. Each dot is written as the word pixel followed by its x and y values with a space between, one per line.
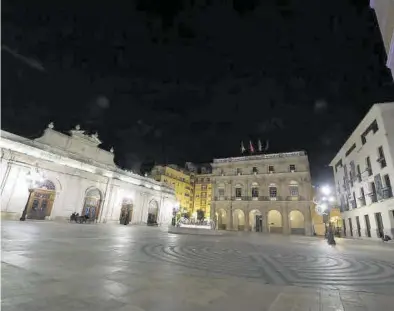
pixel 78 127
pixel 51 125
pixel 95 135
pixel 111 150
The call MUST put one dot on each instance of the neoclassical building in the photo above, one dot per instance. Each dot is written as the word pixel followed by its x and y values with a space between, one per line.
pixel 57 174
pixel 264 193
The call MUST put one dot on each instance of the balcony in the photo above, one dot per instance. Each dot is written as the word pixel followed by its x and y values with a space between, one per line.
pixel 362 201
pixel 353 204
pixel 260 198
pixel 387 193
pixel 373 197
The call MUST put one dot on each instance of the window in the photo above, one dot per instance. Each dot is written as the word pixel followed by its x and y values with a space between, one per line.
pixel 373 193
pixel 350 150
pixel 238 192
pixel 351 178
pixel 254 170
pixel 354 202
pixel 358 173
pixel 381 158
pixel 208 180
pixel 368 166
pixel 373 127
pixel 203 187
pixel 187 195
pixel 203 194
pixel 292 167
pixel 362 197
pixel 339 164
pixel 387 191
pixel 293 190
pixel 271 169
pixel 221 192
pixel 272 191
pixel 255 190
pixel 239 171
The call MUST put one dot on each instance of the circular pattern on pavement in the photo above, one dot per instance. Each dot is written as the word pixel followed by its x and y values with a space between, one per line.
pixel 278 266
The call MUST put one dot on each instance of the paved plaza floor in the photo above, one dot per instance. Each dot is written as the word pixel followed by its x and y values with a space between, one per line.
pixel 60 266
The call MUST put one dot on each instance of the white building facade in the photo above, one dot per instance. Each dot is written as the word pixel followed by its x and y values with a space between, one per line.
pixel 55 175
pixel 384 10
pixel 269 193
pixel 363 170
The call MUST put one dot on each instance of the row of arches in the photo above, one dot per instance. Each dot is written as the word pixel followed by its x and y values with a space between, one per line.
pixel 272 222
pixel 42 199
pixel 255 189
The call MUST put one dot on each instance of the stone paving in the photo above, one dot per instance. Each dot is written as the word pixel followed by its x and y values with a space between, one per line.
pixel 58 266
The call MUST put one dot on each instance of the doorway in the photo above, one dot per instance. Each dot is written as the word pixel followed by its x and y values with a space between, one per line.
pixel 350 227
pixel 91 206
pixel 367 225
pixel 379 224
pixel 358 226
pixel 41 201
pixel 259 223
pixel 126 212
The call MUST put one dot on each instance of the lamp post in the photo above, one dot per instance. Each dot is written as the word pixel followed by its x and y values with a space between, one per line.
pixel 324 202
pixel 32 177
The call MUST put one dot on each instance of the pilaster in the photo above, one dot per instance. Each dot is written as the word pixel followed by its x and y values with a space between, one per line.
pixel 285 217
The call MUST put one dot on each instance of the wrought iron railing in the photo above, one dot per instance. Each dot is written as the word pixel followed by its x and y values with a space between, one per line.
pixel 387 193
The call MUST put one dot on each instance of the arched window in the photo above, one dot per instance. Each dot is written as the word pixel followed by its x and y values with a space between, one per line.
pixel 47 185
pixel 293 189
pixel 238 191
pixel 273 191
pixel 255 190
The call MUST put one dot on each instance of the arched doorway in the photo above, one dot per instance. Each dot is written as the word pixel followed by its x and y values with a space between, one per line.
pixel 91 206
pixel 153 213
pixel 41 200
pixel 275 222
pixel 256 221
pixel 238 220
pixel 221 219
pixel 297 224
pixel 126 211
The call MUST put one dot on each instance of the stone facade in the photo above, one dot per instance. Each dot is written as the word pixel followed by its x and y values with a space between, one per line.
pixel 58 174
pixel 265 193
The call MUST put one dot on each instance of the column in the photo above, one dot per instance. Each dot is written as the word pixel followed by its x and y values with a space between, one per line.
pixel 105 203
pixel 246 212
pixel 229 225
pixel 308 221
pixel 285 218
pixel 265 222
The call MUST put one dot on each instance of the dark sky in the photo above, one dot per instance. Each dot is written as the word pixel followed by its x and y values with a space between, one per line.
pixel 174 81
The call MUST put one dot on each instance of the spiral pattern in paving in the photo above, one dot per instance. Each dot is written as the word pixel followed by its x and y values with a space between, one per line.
pixel 277 266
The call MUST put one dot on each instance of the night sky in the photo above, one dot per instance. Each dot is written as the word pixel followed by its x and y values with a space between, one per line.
pixel 174 81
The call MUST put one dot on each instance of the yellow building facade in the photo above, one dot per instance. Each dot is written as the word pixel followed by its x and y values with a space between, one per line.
pixel 179 179
pixel 202 194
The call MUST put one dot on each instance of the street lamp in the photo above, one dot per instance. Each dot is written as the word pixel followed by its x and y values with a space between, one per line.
pixel 324 201
pixel 33 177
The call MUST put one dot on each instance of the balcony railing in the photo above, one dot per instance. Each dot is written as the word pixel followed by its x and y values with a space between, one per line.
pixel 373 197
pixel 260 198
pixel 362 201
pixel 353 204
pixel 387 193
